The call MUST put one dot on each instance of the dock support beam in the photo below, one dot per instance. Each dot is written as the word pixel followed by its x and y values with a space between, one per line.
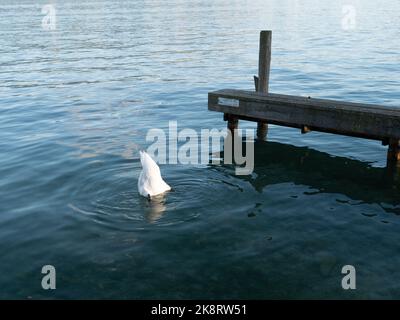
pixel 233 122
pixel 305 129
pixel 393 154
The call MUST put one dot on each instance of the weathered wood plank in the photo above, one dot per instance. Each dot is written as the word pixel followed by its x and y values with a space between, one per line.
pixel 347 118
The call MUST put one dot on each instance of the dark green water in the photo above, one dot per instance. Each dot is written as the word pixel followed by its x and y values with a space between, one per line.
pixel 77 102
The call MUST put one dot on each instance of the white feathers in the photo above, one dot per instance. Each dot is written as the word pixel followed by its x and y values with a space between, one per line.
pixel 150 181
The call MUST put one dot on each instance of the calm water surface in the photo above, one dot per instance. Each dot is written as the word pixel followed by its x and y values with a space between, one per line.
pixel 76 104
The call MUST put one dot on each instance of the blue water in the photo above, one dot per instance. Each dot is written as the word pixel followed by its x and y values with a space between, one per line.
pixel 77 103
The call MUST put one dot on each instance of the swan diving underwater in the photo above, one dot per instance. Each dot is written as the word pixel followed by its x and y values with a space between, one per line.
pixel 150 182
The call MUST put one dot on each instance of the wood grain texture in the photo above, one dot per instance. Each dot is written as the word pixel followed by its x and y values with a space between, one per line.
pixel 347 118
pixel 262 81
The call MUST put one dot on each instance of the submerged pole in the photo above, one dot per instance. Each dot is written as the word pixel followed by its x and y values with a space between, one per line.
pixel 233 122
pixel 393 155
pixel 262 82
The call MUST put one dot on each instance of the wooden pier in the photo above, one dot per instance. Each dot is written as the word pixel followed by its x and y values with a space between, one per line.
pixel 308 114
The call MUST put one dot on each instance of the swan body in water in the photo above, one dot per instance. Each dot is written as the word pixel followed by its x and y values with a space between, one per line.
pixel 150 181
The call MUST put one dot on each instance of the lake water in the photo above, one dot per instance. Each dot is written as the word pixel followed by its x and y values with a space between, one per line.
pixel 76 105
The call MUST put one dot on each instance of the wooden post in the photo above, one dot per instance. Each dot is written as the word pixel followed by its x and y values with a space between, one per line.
pixel 262 82
pixel 393 154
pixel 256 82
pixel 305 129
pixel 393 160
pixel 233 122
pixel 229 144
pixel 264 61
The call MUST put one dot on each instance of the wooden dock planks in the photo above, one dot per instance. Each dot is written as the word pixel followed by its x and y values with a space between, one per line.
pixel 354 119
pixel 308 114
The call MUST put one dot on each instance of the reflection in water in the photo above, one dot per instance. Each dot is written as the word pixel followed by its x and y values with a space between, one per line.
pixel 278 163
pixel 154 208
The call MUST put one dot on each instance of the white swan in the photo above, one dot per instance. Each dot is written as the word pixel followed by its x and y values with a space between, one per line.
pixel 150 181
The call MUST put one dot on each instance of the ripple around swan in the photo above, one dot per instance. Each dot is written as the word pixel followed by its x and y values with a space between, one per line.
pixel 116 203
